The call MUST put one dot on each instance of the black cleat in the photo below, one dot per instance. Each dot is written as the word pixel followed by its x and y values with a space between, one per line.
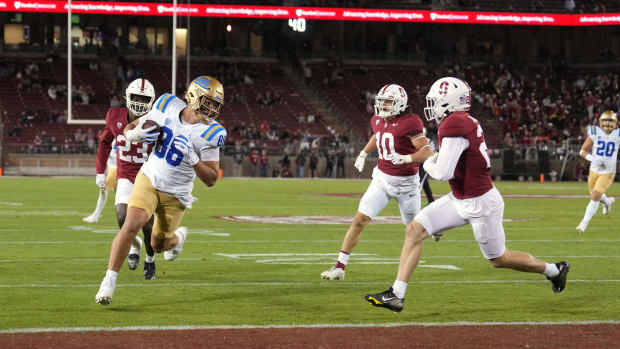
pixel 149 271
pixel 386 299
pixel 559 281
pixel 133 261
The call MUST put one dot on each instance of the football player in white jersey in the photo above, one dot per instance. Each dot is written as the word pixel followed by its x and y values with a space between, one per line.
pixel 604 142
pixel 105 182
pixel 187 146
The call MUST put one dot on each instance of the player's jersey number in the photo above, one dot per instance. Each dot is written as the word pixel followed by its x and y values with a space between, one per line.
pixel 385 144
pixel 483 146
pixel 605 148
pixel 124 147
pixel 165 148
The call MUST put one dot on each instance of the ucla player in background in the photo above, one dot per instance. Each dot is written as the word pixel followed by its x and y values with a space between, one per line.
pixel 105 183
pixel 604 142
pixel 188 146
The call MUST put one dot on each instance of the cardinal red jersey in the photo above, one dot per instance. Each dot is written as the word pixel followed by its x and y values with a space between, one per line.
pixel 394 137
pixel 130 155
pixel 472 175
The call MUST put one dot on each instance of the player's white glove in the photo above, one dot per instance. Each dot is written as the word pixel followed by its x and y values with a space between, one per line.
pixel 398 159
pixel 100 180
pixel 360 161
pixel 144 135
pixel 589 156
pixel 182 144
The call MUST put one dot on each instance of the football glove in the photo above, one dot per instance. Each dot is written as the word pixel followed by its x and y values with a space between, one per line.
pixel 100 180
pixel 182 144
pixel 398 159
pixel 144 135
pixel 360 161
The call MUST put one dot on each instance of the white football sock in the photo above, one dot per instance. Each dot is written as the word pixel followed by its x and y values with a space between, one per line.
pixel 111 275
pixel 604 200
pixel 551 270
pixel 136 244
pixel 103 198
pixel 343 257
pixel 149 259
pixel 399 288
pixel 591 210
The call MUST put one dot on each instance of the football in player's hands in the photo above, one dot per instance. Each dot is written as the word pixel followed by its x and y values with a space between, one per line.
pixel 150 123
pixel 149 131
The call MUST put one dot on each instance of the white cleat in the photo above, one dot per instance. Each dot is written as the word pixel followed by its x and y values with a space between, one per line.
pixel 133 260
pixel 333 274
pixel 173 253
pixel 582 227
pixel 106 291
pixel 607 208
pixel 91 219
pixel 437 236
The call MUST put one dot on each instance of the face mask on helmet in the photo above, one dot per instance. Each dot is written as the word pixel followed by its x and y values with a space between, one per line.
pixel 608 121
pixel 447 95
pixel 205 95
pixel 139 97
pixel 390 101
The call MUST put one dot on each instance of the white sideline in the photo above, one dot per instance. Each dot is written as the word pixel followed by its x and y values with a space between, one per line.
pixel 292 326
pixel 472 241
pixel 305 284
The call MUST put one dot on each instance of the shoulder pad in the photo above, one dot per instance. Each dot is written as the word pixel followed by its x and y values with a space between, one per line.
pixel 164 101
pixel 456 126
pixel 213 134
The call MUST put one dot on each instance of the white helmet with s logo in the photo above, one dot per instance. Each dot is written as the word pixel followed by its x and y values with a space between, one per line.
pixel 447 95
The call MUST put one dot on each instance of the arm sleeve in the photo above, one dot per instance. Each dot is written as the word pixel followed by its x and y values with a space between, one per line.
pixel 105 146
pixel 443 168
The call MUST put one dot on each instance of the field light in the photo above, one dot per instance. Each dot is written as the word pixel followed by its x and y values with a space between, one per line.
pixel 229 28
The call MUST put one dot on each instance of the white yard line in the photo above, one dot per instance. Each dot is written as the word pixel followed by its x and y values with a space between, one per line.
pixel 293 326
pixel 304 284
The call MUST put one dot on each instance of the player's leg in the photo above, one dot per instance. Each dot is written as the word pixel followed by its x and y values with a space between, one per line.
pixel 101 201
pixel 142 203
pixel 149 261
pixel 373 201
pixel 166 236
pixel 595 197
pixel 440 215
pixel 603 186
pixel 123 192
pixel 489 232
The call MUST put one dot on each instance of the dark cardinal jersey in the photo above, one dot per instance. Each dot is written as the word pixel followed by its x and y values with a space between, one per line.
pixel 472 175
pixel 130 155
pixel 394 137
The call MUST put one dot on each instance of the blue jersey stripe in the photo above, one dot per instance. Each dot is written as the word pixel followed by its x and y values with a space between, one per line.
pixel 161 99
pixel 163 110
pixel 209 129
pixel 218 130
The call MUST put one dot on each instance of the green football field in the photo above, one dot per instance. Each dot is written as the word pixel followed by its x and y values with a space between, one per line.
pixel 234 272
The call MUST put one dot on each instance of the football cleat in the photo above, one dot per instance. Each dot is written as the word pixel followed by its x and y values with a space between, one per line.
pixel 173 253
pixel 149 271
pixel 558 282
pixel 106 291
pixel 582 227
pixel 93 218
pixel 333 274
pixel 133 260
pixel 386 299
pixel 607 208
pixel 437 236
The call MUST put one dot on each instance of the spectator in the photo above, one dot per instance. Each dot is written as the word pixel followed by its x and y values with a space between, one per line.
pixel 237 160
pixel 301 163
pixel 254 158
pixel 264 163
pixel 307 73
pixel 314 161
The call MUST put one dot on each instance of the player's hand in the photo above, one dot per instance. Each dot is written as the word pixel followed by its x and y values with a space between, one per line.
pixel 182 144
pixel 360 161
pixel 144 135
pixel 398 159
pixel 100 180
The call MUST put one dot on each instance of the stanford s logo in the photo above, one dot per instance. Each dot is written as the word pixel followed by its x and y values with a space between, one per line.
pixel 443 88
